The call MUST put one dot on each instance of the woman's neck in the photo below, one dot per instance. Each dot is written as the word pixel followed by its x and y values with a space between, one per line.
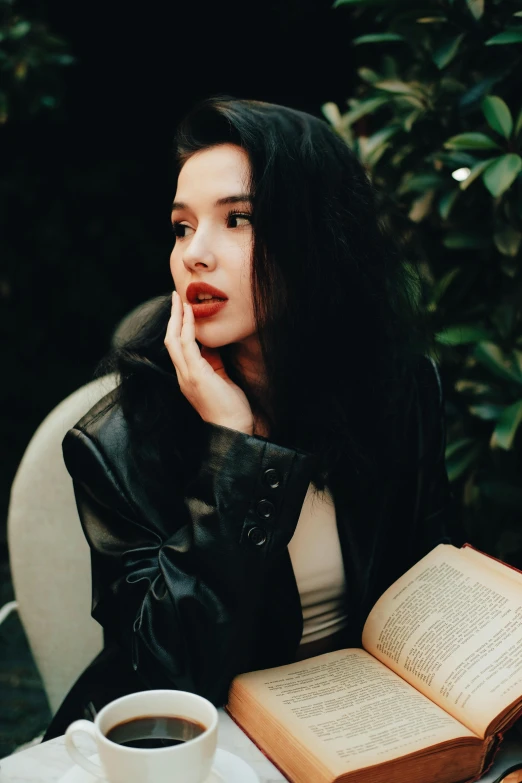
pixel 248 362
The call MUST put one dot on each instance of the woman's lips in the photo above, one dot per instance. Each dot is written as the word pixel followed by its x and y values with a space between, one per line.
pixel 206 309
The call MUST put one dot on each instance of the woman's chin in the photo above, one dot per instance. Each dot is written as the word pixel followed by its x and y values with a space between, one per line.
pixel 212 336
pixel 210 340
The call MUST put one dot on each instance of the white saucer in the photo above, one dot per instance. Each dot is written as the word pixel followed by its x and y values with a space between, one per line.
pixel 231 767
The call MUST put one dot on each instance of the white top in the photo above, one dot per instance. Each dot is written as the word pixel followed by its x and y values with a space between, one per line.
pixel 317 561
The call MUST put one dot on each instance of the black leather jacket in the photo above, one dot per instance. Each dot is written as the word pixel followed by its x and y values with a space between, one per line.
pixel 194 584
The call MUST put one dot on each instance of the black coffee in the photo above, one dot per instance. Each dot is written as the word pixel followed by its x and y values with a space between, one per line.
pixel 155 731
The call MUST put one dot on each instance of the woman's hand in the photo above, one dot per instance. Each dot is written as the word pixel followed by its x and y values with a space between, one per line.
pixel 201 375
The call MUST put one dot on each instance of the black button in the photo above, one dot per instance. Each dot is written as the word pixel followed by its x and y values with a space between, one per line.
pixel 272 478
pixel 265 509
pixel 257 535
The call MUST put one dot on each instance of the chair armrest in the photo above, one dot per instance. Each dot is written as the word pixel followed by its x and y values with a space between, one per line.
pixel 7 609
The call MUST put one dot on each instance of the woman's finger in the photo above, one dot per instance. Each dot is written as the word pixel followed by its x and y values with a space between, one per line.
pixel 191 353
pixel 173 335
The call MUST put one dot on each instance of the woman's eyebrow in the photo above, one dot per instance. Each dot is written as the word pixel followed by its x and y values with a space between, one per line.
pixel 241 197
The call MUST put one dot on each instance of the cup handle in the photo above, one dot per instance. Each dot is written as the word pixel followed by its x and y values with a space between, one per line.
pixel 76 755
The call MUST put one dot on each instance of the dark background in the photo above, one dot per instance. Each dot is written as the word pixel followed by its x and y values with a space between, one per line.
pixel 86 187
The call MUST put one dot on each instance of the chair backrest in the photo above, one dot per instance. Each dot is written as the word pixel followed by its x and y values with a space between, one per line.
pixel 50 558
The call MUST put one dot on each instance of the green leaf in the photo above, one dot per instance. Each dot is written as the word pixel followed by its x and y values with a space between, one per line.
pixel 455 159
pixel 19 29
pixel 491 357
pixel 331 111
pixel 465 240
pixel 362 109
pixel 63 59
pixel 368 75
pixel 411 119
pixel 507 37
pixel 502 173
pixel 476 7
pixel 431 19
pixel 449 84
pixel 457 445
pixel 478 91
pixel 376 141
pixel 465 386
pixel 418 183
pixel 398 87
pixel 487 411
pixel 462 335
pixel 446 203
pixel 445 53
pixel 441 286
pixel 379 138
pixel 460 456
pixel 49 101
pixel 475 172
pixel 508 423
pixel 498 115
pixel 405 101
pixel 471 141
pixel 507 241
pixel 517 13
pixel 378 38
pixel 421 206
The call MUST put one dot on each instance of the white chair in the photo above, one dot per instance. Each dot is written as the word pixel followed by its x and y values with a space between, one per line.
pixel 50 558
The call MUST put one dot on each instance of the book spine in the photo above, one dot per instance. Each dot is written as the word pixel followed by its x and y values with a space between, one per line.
pixel 489 757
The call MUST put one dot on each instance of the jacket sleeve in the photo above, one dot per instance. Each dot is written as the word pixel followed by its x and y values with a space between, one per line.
pixel 181 595
pixel 436 516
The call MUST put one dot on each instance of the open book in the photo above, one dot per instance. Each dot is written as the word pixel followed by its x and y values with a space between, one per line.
pixel 426 700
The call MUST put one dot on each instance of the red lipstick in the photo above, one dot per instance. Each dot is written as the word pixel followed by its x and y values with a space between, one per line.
pixel 206 307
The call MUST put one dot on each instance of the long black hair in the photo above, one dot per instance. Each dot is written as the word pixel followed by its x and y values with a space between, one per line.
pixel 338 327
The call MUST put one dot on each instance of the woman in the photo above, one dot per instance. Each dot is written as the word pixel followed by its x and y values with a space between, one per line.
pixel 273 459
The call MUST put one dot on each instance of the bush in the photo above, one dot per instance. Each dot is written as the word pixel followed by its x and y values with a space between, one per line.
pixel 437 122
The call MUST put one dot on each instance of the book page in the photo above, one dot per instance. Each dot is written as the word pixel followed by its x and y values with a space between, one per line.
pixel 349 709
pixel 453 629
pixel 483 561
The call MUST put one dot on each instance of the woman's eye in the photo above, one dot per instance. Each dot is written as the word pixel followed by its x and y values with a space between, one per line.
pixel 237 219
pixel 180 230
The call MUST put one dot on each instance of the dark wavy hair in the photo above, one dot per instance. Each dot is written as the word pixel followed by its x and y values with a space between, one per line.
pixel 339 328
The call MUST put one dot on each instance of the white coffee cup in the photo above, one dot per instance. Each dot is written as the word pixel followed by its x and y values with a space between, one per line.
pixel 188 762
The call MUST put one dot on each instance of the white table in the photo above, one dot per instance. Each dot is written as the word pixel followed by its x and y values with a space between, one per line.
pixel 47 762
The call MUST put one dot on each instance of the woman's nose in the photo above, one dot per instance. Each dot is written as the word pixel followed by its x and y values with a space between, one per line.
pixel 199 251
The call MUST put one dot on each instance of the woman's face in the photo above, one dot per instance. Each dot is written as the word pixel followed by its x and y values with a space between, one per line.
pixel 214 241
